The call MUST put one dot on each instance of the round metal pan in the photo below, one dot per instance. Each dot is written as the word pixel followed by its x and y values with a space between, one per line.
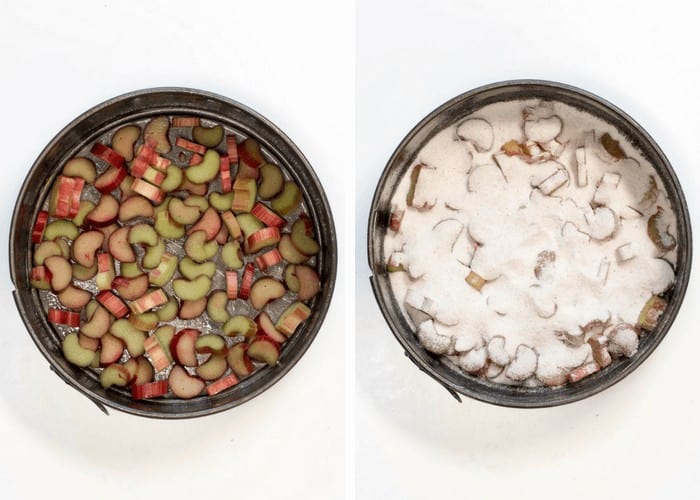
pixel 82 132
pixel 451 112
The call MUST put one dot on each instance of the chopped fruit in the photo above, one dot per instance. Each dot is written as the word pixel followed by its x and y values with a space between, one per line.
pixel 514 148
pixel 130 270
pixel 210 344
pixel 39 226
pixel 244 193
pixel 60 272
pixel 652 311
pixel 190 269
pixel 238 360
pixel 119 246
pixel 60 229
pixel 153 255
pixel 149 390
pixel 292 317
pixel 288 200
pixel 80 167
pixel 268 259
pixel 148 301
pixel 73 297
pixel 222 236
pixel 144 372
pixel 240 325
pixel 476 131
pixel 234 229
pixel 209 222
pixel 61 317
pixel 301 240
pixel 183 385
pixel 131 366
pixel 265 237
pixel 221 202
pixel 289 252
pixel 144 322
pixel 542 130
pixel 46 249
pixel 232 148
pixel 309 282
pixel 232 285
pixel 659 235
pixel 246 281
pixel 88 343
pixel 169 311
pixel 600 352
pixel 84 273
pixel 40 278
pixel 147 190
pixel 209 137
pixel 165 335
pixel 164 271
pixel 132 337
pixel 247 172
pixel 249 153
pixel 108 154
pixel 105 271
pixel 583 372
pixel 190 309
pixel 249 224
pixel 114 375
pixel 581 167
pixel 185 121
pixel 612 147
pixel 110 179
pixel 111 349
pixel 395 220
pixel 112 303
pixel 192 289
pixel 105 213
pixel 272 181
pixel 143 234
pixel 85 247
pixel 216 305
pixel 262 348
pixel 134 207
pixel 267 216
pixel 98 324
pixel 124 139
pixel 173 178
pixel 213 368
pixel 198 248
pixel 222 384
pixel 182 347
pixel 190 146
pixel 266 326
pixel 166 226
pixel 156 134
pixel 290 278
pixel 156 353
pixel 206 170
pixel 265 290
pixel 475 281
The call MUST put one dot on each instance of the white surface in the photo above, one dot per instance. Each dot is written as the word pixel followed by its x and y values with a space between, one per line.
pixel 638 439
pixel 61 58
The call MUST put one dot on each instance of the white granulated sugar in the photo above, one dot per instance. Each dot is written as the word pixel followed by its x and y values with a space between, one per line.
pixel 527 234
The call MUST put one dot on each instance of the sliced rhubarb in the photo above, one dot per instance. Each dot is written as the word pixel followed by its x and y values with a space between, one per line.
pixel 234 229
pixel 85 247
pixel 61 317
pixel 232 285
pixel 268 259
pixel 232 149
pixel 222 384
pixel 39 226
pixel 266 326
pixel 119 246
pixel 108 154
pixel 110 179
pixel 239 361
pixel 60 271
pixel 182 347
pixel 149 301
pixel 105 271
pixel 130 288
pixel 111 349
pixel 265 237
pixel 267 216
pixel 74 297
pixel 209 222
pixel 225 174
pixel 112 303
pixel 208 136
pixel 185 121
pixel 265 290
pixel 264 349
pixel 249 153
pixel 156 353
pixel 246 281
pixel 105 213
pixel 292 317
pixel 184 385
pixel 190 146
pixel 149 390
pixel 147 190
pixel 75 353
pixel 190 309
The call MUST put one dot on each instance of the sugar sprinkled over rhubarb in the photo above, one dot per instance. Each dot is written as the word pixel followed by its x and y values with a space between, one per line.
pixel 530 237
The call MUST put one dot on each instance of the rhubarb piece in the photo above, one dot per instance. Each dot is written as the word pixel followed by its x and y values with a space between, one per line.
pixel 182 347
pixel 190 309
pixel 292 317
pixel 39 226
pixel 114 375
pixel 290 278
pixel 216 306
pixel 266 326
pixel 599 350
pixel 612 147
pixel 231 223
pixel 206 170
pixel 105 213
pixel 134 207
pixel 222 384
pixel 248 224
pixel 184 385
pixel 581 167
pixel 80 167
pixel 185 121
pixel 395 220
pixel 213 368
pixel 61 197
pixel 246 281
pixel 658 234
pixel 190 269
pixel 46 249
pixel 200 202
pixel 88 343
pixel 221 202
pixel 156 353
pixel 119 246
pixel 544 267
pixel 543 130
pixel 73 297
pixel 143 234
pixel 131 365
pixel 60 229
pixel 130 269
pixel 112 303
pixel 514 148
pixel 107 154
pixel 240 325
pixel 124 139
pixel 651 312
pixel 301 240
pixel 149 301
pixel 145 322
pixel 244 193
pixel 250 154
pixel 210 344
pixel 262 348
pixel 110 179
pixel 267 216
pixel 476 131
pixel 475 281
pixel 583 372
pixel 550 184
pixel 289 252
pixel 209 137
pixel 164 271
pixel 105 271
pixel 133 337
pixel 153 255
pixel 268 236
pixel 84 208
pixel 496 350
pixel 40 278
pixel 232 285
pixel 169 311
pixel 198 248
pixel 238 360
pixel 272 181
pixel 433 341
pixel 107 232
pixel 165 335
pixel 602 224
pixel 267 259
pixel 222 236
pixel 209 222
pixel 111 349
pixel 166 226
pixel 144 372
pixel 60 272
pixel 98 324
pixel 309 282
pixel 183 143
pixel 61 317
pixel 523 365
pixel 192 289
pixel 156 134
pixel 172 180
pixel 85 247
pixel 265 290
pixel 247 172
pixel 473 361
pixel 288 200
pixel 149 390
pixel 147 190
pixel 63 245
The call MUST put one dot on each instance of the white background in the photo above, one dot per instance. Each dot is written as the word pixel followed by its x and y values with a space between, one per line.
pixel 57 59
pixel 641 438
